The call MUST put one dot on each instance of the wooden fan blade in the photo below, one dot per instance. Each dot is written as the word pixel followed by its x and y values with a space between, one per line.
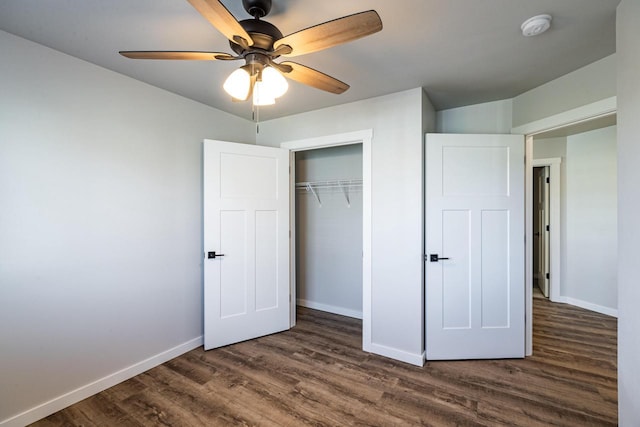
pixel 196 56
pixel 331 33
pixel 223 20
pixel 309 76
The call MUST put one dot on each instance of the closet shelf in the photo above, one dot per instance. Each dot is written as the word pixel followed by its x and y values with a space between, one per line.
pixel 343 184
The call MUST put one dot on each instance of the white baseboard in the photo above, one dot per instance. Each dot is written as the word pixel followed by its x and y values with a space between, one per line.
pixel 401 355
pixel 590 306
pixel 74 396
pixel 330 308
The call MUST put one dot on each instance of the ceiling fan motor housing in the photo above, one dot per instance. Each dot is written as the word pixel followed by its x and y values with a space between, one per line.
pixel 262 33
pixel 257 8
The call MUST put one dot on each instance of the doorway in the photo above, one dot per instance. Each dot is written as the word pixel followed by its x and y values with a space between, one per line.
pixel 581 190
pixel 328 220
pixel 541 229
pixel 364 138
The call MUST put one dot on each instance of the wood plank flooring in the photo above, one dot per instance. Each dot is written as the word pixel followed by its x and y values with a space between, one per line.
pixel 316 374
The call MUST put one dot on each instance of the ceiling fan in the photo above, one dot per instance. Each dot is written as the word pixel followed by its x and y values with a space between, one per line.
pixel 260 43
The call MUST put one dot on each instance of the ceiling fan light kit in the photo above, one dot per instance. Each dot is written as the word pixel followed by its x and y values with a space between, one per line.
pixel 260 43
pixel 238 84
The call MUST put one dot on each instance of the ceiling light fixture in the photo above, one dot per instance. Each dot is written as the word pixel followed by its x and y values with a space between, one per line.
pixel 259 43
pixel 238 84
pixel 257 79
pixel 536 25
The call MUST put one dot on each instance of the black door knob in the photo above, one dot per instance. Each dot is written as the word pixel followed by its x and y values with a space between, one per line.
pixel 435 258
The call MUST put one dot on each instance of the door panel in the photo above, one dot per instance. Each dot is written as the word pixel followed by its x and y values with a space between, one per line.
pixel 233 280
pixel 465 171
pixel 456 298
pixel 266 260
pixel 494 260
pixel 475 221
pixel 246 222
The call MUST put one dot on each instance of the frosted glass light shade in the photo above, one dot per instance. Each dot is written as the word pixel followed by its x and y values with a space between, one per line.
pixel 261 95
pixel 274 83
pixel 238 84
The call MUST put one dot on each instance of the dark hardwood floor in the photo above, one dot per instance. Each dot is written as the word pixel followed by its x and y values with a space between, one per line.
pixel 316 374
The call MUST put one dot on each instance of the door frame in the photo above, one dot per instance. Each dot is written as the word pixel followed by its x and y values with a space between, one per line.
pixel 365 138
pixel 585 113
pixel 555 225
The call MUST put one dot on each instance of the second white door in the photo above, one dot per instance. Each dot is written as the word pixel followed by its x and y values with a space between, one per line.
pixel 475 246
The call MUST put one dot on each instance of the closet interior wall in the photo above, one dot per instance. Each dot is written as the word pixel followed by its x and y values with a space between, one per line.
pixel 329 229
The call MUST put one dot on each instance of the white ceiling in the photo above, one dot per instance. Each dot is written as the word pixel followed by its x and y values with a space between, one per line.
pixel 461 51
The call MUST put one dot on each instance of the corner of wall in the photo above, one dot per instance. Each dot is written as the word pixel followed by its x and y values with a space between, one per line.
pixel 429 115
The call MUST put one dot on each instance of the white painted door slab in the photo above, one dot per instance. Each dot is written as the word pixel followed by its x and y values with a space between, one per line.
pixel 546 231
pixel 475 222
pixel 541 228
pixel 246 225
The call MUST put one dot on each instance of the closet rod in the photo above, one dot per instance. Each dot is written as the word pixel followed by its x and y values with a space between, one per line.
pixel 344 184
pixel 339 183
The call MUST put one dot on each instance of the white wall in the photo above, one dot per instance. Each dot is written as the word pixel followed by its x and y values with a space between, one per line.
pixel 594 82
pixel 547 148
pixel 397 193
pixel 100 224
pixel 628 56
pixel 329 236
pixel 486 118
pixel 591 220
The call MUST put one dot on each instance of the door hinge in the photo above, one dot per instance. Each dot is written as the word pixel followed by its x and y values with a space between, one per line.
pixel 547 275
pixel 547 228
pixel 548 180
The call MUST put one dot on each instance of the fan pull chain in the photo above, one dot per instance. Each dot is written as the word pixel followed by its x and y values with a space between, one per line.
pixel 255 109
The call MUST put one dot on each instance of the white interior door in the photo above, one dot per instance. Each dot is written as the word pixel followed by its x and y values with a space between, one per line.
pixel 545 232
pixel 538 225
pixel 475 246
pixel 246 242
pixel 541 228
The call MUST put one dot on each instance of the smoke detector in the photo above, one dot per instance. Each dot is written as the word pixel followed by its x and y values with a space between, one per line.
pixel 536 25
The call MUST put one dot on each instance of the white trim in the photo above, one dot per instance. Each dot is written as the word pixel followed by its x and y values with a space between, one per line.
pixel 555 225
pixel 589 306
pixel 347 138
pixel 403 356
pixel 528 247
pixel 58 403
pixel 587 112
pixel 365 138
pixel 356 314
pixel 292 239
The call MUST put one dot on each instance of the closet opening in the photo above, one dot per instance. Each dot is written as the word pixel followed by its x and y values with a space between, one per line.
pixel 328 229
pixel 332 201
